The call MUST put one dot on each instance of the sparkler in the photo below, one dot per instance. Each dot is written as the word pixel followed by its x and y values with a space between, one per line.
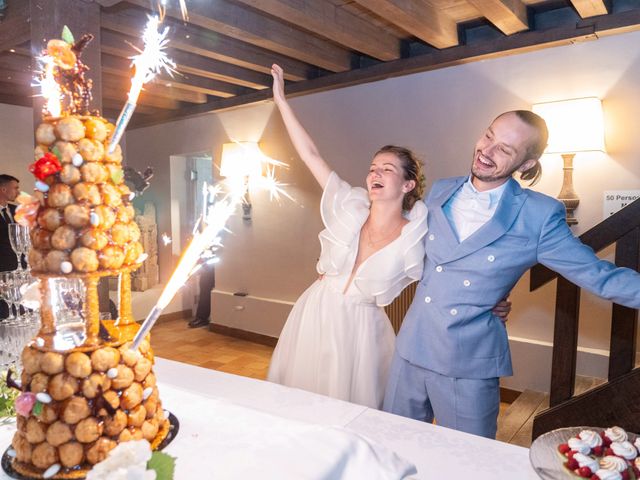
pixel 214 219
pixel 149 63
pixel 49 88
pixel 206 234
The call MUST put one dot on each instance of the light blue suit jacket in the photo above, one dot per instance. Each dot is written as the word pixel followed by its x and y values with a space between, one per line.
pixel 449 327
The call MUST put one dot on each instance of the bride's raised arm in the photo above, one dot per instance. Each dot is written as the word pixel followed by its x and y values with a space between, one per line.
pixel 299 137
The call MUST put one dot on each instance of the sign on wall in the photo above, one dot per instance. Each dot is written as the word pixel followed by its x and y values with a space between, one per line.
pixel 615 200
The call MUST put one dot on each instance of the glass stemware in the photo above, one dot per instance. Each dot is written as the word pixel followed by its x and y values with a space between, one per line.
pixel 20 241
pixel 6 293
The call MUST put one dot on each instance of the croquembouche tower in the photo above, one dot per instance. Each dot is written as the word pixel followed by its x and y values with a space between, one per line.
pixel 78 403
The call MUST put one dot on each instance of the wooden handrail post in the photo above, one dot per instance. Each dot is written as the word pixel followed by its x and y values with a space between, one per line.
pixel 624 321
pixel 565 342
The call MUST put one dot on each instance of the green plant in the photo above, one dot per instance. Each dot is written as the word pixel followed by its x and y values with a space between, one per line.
pixel 7 398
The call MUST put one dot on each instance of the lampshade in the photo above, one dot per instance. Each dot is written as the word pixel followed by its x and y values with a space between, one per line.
pixel 241 159
pixel 574 125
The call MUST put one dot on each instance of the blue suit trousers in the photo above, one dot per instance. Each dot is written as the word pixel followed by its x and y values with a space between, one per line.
pixel 466 404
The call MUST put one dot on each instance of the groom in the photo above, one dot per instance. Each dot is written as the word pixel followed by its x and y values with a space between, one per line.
pixel 485 231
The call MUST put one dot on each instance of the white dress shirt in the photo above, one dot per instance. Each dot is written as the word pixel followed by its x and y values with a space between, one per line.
pixel 468 209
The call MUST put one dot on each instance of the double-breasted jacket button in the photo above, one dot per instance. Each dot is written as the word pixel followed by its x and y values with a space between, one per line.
pixel 453 311
pixel 466 283
pixel 431 236
pixel 491 258
pixel 427 299
pixel 439 268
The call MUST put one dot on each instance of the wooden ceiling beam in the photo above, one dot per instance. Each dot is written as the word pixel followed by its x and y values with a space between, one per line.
pixel 15 28
pixel 16 77
pixel 23 49
pixel 15 100
pixel 196 40
pixel 205 86
pixel 418 18
pixel 116 105
pixel 121 67
pixel 16 89
pixel 590 8
pixel 532 40
pixel 115 51
pixel 189 63
pixel 116 92
pixel 15 62
pixel 334 23
pixel 159 89
pixel 509 16
pixel 249 26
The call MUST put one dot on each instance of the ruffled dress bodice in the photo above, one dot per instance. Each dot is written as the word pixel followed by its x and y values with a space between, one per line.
pixel 341 343
pixel 382 276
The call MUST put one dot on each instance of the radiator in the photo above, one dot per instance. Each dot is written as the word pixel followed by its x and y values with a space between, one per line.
pixel 397 309
pixel 265 316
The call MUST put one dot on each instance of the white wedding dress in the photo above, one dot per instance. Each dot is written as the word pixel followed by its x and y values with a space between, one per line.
pixel 341 344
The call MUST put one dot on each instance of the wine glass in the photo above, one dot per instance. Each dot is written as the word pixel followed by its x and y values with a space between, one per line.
pixel 20 241
pixel 6 286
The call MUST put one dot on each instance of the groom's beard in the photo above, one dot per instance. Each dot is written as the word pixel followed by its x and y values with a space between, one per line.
pixel 490 178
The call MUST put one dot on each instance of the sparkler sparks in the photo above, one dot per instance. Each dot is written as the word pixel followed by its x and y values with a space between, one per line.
pixel 270 183
pixel 49 88
pixel 166 239
pixel 150 62
pixel 214 222
pixel 206 234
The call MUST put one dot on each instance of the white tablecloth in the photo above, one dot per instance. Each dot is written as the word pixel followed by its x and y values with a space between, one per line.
pixel 210 405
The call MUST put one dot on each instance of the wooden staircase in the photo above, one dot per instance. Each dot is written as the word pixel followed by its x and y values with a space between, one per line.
pixel 515 424
pixel 615 402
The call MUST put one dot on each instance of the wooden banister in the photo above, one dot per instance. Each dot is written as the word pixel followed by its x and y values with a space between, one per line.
pixel 624 322
pixel 623 229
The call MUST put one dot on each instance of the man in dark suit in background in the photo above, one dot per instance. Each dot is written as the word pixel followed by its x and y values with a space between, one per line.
pixel 206 282
pixel 9 190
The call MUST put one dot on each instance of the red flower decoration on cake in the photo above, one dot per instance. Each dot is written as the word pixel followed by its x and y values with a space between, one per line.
pixel 47 165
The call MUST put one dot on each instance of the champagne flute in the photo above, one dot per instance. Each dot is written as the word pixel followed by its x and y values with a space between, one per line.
pixel 6 285
pixel 25 244
pixel 19 238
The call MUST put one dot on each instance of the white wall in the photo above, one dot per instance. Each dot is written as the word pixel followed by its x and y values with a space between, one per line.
pixel 16 143
pixel 439 114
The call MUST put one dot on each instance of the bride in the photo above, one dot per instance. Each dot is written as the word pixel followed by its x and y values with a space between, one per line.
pixel 338 341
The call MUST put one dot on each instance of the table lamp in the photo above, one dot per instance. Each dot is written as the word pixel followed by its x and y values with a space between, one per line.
pixel 575 125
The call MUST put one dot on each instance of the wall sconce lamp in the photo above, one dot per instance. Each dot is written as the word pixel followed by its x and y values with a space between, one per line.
pixel 242 160
pixel 574 126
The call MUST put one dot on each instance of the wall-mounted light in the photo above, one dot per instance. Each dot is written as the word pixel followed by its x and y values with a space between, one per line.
pixel 574 126
pixel 242 160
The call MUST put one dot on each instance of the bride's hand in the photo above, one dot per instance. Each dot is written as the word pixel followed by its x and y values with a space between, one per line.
pixel 503 309
pixel 278 82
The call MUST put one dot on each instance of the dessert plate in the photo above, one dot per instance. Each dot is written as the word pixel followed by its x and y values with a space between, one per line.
pixel 174 426
pixel 544 455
